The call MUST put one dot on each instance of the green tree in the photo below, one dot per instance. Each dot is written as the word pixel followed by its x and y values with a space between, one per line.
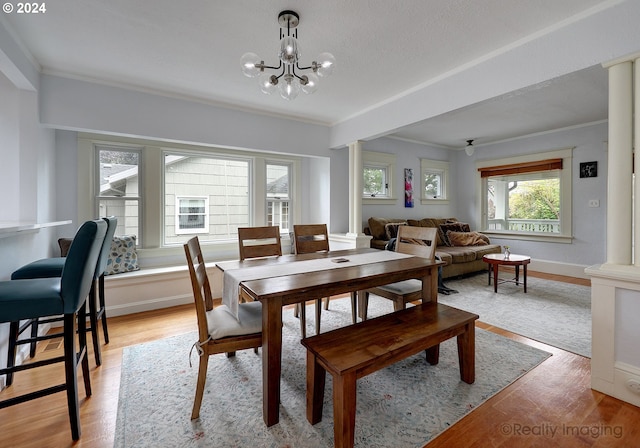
pixel 535 199
pixel 372 181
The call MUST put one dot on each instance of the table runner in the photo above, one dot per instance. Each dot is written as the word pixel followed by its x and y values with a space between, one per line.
pixel 233 277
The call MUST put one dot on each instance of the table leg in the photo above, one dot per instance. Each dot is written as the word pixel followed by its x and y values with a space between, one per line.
pixel 467 353
pixel 495 277
pixel 489 271
pixel 524 274
pixel 517 274
pixel 271 359
pixel 430 286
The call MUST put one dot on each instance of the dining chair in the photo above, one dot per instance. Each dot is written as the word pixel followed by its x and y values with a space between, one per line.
pixel 413 240
pixel 258 242
pixel 53 267
pixel 311 238
pixel 218 330
pixel 67 296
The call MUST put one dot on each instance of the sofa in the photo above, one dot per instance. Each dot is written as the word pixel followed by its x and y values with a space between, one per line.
pixel 460 248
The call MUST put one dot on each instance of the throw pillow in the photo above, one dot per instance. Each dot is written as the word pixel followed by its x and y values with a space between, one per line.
pixel 453 227
pixel 466 238
pixel 123 256
pixel 391 229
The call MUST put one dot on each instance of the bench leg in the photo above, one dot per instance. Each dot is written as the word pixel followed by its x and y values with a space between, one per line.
pixel 467 354
pixel 344 410
pixel 433 354
pixel 315 389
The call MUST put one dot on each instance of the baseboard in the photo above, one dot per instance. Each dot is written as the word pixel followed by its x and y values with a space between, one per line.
pixel 558 268
pixel 148 305
pixel 626 383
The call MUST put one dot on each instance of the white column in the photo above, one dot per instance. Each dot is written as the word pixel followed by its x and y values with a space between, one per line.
pixel 355 187
pixel 619 202
pixel 636 163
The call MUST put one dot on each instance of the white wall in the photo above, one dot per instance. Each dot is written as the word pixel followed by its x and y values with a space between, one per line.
pixel 408 155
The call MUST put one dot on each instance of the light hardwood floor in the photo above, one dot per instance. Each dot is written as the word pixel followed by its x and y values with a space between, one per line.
pixel 552 405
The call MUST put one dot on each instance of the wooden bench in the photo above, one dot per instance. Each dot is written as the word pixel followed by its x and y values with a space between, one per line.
pixel 352 352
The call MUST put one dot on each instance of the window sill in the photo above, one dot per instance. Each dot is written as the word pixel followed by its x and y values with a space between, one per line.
pixel 548 238
pixel 385 200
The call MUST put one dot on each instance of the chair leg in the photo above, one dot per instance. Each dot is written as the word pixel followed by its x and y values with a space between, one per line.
pixel 34 334
pixel 202 378
pixel 318 314
pixel 11 354
pixel 363 304
pixel 83 356
pixel 326 302
pixel 93 320
pixel 303 320
pixel 70 369
pixel 102 310
pixel 354 307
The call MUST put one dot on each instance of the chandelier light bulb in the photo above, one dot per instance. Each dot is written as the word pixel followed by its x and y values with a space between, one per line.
pixel 289 87
pixel 325 64
pixel 309 83
pixel 268 83
pixel 289 50
pixel 250 65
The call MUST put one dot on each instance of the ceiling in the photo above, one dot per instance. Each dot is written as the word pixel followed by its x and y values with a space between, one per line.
pixel 383 49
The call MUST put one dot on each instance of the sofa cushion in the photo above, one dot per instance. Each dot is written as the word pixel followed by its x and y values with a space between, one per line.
pixel 463 254
pixel 444 256
pixel 454 227
pixel 391 229
pixel 376 226
pixel 467 238
pixel 433 222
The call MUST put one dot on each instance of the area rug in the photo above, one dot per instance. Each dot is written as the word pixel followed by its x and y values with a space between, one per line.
pixel 556 313
pixel 404 405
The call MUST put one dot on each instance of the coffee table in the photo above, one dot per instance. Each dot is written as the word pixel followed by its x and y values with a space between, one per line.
pixel 496 260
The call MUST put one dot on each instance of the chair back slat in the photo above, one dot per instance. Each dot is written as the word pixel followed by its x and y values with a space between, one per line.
pixel 418 241
pixel 257 242
pixel 199 284
pixel 80 265
pixel 310 238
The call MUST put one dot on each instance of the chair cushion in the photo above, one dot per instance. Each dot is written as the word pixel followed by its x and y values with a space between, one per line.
pixel 404 287
pixel 222 323
pixel 47 267
pixel 29 298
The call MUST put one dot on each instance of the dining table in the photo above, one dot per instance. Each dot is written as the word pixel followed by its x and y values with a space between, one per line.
pixel 289 279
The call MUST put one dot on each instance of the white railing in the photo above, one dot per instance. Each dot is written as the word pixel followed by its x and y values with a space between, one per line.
pixel 526 225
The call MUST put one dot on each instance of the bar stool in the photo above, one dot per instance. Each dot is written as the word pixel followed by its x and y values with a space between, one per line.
pixel 67 296
pixel 53 267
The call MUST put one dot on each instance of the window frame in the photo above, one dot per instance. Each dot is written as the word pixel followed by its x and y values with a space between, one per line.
pixel 566 207
pixel 288 199
pixel 151 248
pixel 435 167
pixel 386 162
pixel 193 231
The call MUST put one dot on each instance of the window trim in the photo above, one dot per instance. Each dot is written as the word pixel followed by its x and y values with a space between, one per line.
pixel 434 166
pixel 566 185
pixel 386 161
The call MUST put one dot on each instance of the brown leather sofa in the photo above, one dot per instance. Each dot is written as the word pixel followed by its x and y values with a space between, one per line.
pixel 462 252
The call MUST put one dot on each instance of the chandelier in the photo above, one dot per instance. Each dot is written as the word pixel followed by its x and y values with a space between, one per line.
pixel 291 78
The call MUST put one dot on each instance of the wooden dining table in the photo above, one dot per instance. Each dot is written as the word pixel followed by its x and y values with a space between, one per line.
pixel 283 288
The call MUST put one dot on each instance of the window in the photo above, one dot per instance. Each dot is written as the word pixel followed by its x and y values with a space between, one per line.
pixel 377 176
pixel 118 187
pixel 529 195
pixel 278 198
pixel 204 194
pixel 192 215
pixel 434 181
